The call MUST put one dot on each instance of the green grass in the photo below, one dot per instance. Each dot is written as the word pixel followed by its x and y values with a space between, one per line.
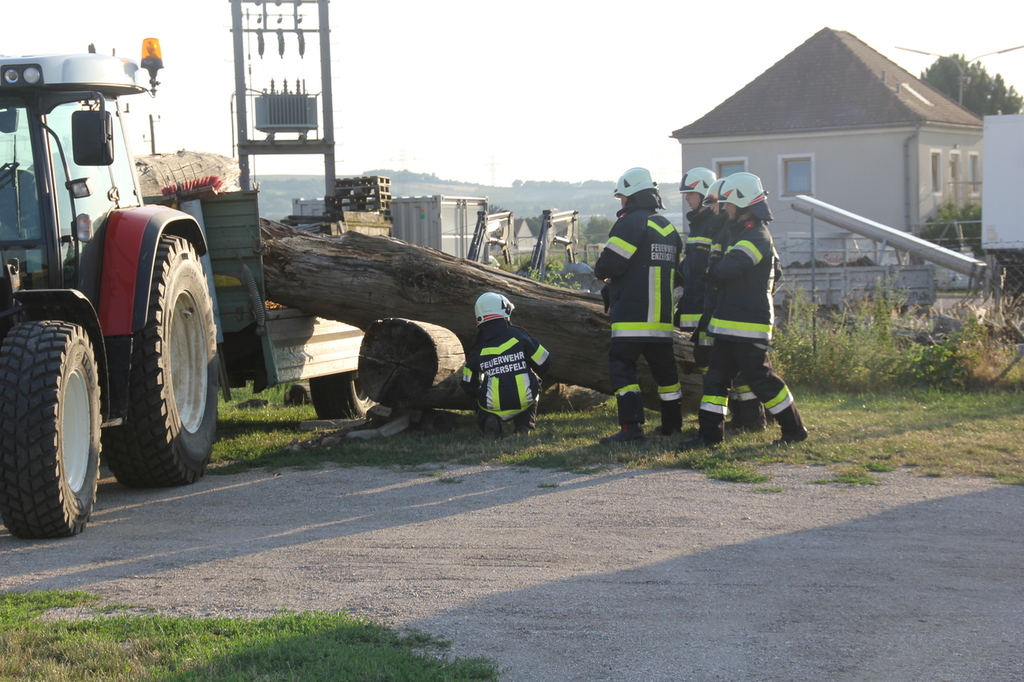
pixel 113 646
pixel 935 433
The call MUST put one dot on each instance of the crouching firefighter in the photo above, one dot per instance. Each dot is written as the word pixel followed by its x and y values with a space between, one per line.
pixel 638 265
pixel 502 368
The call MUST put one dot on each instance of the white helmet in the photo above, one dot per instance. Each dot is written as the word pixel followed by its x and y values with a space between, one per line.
pixel 742 189
pixel 697 180
pixel 713 192
pixel 492 306
pixel 634 180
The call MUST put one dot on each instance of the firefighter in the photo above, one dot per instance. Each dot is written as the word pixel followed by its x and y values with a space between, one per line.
pixel 638 264
pixel 690 273
pixel 502 368
pixel 741 324
pixel 747 411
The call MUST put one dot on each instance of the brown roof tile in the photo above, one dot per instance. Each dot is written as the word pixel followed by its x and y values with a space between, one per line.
pixel 832 81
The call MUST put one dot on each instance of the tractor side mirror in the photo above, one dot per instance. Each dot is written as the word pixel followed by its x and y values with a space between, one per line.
pixel 92 136
pixel 8 120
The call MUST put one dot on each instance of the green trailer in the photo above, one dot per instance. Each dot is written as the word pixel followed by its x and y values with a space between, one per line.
pixel 270 345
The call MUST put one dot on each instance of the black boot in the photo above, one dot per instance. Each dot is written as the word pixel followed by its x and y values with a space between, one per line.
pixel 629 432
pixel 491 426
pixel 793 429
pixel 747 415
pixel 710 432
pixel 671 418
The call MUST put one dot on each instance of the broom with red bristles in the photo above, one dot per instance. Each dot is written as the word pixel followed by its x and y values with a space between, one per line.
pixel 193 189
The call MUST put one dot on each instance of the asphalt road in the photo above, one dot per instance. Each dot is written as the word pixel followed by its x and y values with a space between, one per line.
pixel 620 575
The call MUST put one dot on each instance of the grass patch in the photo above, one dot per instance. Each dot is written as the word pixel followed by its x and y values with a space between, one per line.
pixel 975 434
pixel 290 646
pixel 735 472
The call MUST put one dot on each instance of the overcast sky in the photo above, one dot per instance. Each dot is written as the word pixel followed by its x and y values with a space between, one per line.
pixel 491 92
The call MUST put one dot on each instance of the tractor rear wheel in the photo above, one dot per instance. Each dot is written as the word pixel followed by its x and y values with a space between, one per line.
pixel 167 437
pixel 49 429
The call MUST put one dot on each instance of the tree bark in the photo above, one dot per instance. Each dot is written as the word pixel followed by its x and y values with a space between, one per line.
pixel 358 279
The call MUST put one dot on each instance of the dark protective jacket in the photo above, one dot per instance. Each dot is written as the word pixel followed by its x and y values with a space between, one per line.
pixel 639 261
pixel 690 273
pixel 501 368
pixel 744 277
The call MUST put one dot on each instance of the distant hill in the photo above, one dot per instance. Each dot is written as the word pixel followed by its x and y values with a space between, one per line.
pixel 525 199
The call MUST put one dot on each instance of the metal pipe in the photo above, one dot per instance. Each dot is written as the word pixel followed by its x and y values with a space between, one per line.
pixel 958 262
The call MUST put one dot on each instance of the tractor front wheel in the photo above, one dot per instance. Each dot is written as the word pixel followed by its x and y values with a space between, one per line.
pixel 49 429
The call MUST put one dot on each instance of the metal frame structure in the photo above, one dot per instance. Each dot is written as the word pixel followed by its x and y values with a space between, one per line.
pixel 256 23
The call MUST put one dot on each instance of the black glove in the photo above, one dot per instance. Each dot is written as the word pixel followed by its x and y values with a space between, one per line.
pixel 605 296
pixel 711 278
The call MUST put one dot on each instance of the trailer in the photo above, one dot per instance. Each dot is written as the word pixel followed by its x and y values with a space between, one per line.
pixel 1002 205
pixel 841 284
pixel 265 344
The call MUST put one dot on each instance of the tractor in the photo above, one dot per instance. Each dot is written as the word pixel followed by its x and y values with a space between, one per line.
pixel 109 341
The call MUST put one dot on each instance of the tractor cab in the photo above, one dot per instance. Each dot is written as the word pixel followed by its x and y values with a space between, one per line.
pixel 64 165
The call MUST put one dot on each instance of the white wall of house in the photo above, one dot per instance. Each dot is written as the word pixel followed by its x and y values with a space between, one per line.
pixel 862 171
pixel 949 160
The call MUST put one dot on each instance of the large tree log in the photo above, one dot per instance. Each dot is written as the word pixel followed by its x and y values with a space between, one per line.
pixel 402 361
pixel 417 366
pixel 358 279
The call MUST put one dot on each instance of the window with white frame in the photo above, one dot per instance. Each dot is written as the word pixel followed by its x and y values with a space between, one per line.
pixel 797 174
pixel 974 173
pixel 726 167
pixel 955 186
pixel 936 167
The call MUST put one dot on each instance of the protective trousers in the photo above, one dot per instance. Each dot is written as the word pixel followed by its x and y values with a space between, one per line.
pixel 747 411
pixel 660 357
pixel 527 419
pixel 749 361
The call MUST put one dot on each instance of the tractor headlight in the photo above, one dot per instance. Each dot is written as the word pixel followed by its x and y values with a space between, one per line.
pixel 83 227
pixel 79 188
pixel 22 75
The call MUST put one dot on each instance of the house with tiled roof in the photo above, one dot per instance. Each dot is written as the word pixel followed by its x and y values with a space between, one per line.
pixel 836 120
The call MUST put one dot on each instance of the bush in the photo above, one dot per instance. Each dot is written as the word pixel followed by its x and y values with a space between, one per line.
pixel 852 350
pixel 870 348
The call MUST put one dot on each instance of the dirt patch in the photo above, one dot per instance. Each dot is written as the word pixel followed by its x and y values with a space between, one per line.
pixel 615 575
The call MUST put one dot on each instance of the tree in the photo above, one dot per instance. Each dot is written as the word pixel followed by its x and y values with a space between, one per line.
pixel 982 94
pixel 597 229
pixel 956 226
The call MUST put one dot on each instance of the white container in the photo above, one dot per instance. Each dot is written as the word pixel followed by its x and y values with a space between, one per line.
pixel 438 222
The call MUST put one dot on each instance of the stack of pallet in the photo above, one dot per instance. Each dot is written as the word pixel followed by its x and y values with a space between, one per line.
pixel 369 194
pixel 363 205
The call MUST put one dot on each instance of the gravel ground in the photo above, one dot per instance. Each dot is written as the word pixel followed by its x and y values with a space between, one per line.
pixel 619 575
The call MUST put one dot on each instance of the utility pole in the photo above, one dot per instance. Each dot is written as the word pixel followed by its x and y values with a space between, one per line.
pixel 152 134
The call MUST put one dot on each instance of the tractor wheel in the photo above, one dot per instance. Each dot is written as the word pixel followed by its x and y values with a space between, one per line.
pixel 49 429
pixel 339 396
pixel 167 436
